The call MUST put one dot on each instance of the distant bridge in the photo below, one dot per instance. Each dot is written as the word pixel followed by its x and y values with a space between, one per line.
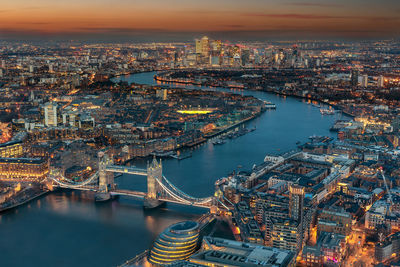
pixel 159 188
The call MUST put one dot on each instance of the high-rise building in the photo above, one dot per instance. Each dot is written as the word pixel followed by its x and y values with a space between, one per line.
pixel 215 61
pixel 50 114
pixel 205 46
pixel 245 56
pixel 236 51
pixel 354 77
pixel 296 202
pixel 216 53
pixel 381 81
pixel 364 81
pixel 198 46
pixel 216 45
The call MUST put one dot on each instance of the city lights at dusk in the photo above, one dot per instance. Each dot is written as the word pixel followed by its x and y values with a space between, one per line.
pixel 259 133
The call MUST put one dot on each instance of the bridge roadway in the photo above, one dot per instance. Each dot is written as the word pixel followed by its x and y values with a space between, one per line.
pixel 129 193
pixel 138 194
pixel 194 204
pixel 142 195
pixel 81 187
pixel 128 170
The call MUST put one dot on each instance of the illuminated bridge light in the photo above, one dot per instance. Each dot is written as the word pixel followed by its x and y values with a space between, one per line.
pixel 178 242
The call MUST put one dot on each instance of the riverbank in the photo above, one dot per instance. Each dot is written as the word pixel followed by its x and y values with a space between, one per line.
pixel 230 127
pixel 19 200
pixel 201 140
pixel 191 82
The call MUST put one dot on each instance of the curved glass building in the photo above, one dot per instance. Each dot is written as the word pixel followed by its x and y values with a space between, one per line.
pixel 177 242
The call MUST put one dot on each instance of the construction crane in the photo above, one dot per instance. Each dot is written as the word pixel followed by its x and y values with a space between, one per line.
pixel 387 188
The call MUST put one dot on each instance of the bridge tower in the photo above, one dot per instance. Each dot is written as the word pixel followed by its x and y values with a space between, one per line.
pixel 154 171
pixel 106 179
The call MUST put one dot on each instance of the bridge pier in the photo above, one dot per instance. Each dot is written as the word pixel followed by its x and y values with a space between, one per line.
pixel 152 203
pixel 102 196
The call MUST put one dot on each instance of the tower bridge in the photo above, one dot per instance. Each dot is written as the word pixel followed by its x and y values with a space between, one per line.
pixel 159 188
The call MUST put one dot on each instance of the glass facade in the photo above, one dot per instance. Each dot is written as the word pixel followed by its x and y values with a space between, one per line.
pixel 177 242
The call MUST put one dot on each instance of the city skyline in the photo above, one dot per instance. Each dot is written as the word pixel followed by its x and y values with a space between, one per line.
pixel 183 20
pixel 200 133
pixel 286 152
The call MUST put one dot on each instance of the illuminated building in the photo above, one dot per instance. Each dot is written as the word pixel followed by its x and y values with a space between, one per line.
pixel 23 169
pixel 216 45
pixel 54 133
pixel 335 221
pixel 224 252
pixel 388 248
pixel 50 114
pixel 271 203
pixel 364 80
pixel 162 93
pixel 69 118
pixel 195 111
pixel 381 81
pixel 216 52
pixel 12 149
pixel 178 242
pixel 86 122
pixel 330 250
pixel 376 214
pixel 269 214
pixel 245 56
pixel 205 46
pixel 198 46
pixel 286 234
pixel 215 60
pixel 354 77
pixel 296 202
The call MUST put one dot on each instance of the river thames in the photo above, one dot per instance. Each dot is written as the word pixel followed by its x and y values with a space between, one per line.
pixel 70 229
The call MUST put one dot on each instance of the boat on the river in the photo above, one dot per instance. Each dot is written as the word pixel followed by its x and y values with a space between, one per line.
pixel 325 111
pixel 269 105
pixel 218 142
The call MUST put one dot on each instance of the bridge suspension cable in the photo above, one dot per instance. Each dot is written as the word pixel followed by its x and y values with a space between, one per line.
pixel 197 200
pixel 178 194
pixel 72 184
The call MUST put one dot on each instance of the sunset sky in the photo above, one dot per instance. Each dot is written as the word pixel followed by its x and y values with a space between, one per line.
pixel 163 19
